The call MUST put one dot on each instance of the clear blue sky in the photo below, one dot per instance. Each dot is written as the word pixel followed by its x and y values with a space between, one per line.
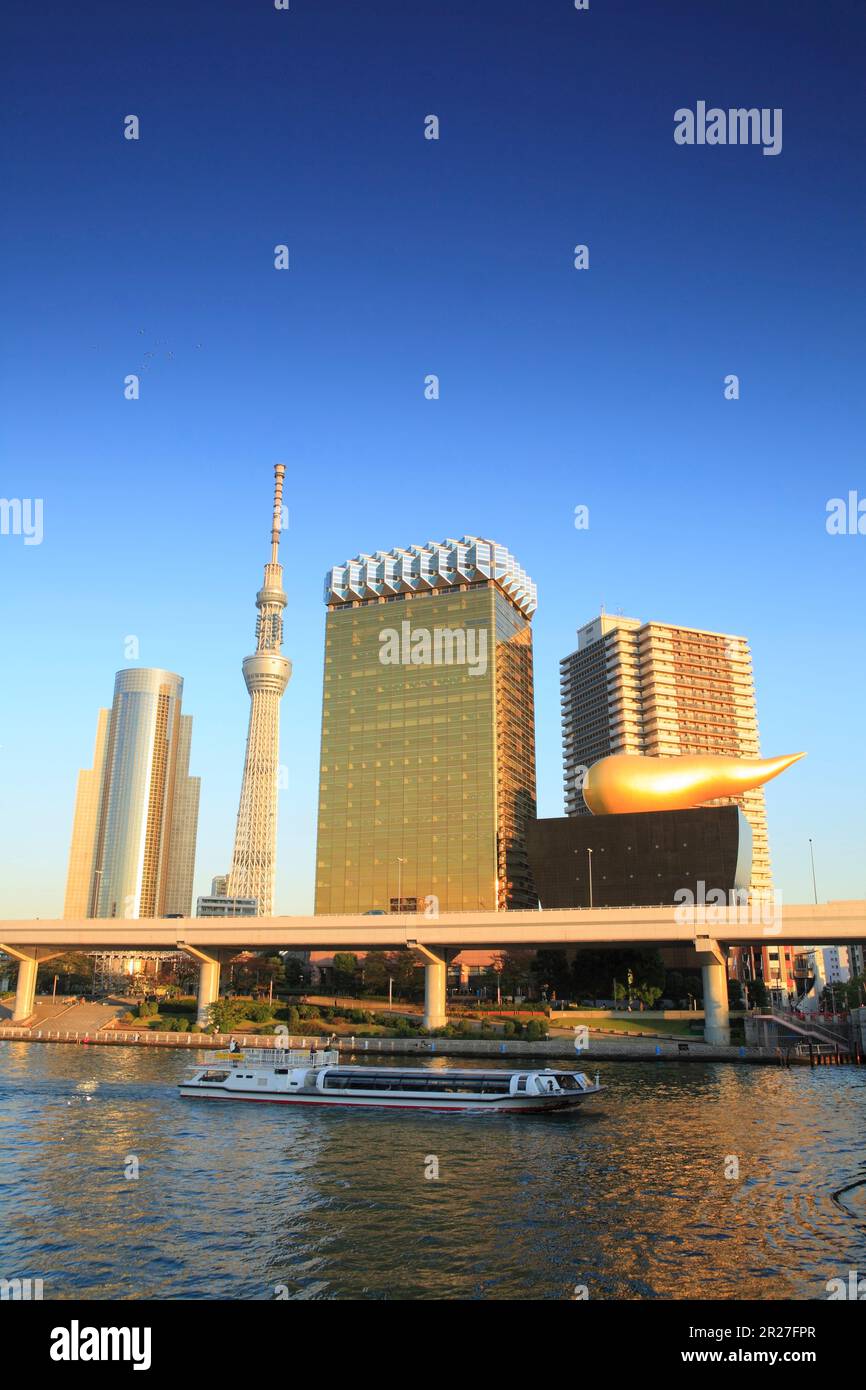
pixel 411 257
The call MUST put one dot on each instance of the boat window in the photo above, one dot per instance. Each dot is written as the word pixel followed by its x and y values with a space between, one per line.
pixel 371 1080
pixel 213 1076
pixel 521 1083
pixel 281 1071
pixel 568 1082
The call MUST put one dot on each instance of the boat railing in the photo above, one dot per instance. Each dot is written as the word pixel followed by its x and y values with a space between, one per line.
pixel 274 1057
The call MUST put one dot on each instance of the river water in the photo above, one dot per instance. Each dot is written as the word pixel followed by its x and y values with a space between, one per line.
pixel 629 1198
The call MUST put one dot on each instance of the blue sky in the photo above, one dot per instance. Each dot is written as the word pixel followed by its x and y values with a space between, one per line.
pixel 408 257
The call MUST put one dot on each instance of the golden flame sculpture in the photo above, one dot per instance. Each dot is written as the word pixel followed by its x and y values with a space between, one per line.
pixel 631 782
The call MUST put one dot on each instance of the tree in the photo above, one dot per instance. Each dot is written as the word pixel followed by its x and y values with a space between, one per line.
pixel 852 993
pixel 293 971
pixel 272 969
pixel 593 971
pixel 515 971
pixel 376 970
pixel 74 974
pixel 648 994
pixel 345 971
pixel 553 973
pixel 225 1014
pixel 407 974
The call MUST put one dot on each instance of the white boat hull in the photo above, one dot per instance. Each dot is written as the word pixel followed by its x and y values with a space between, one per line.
pixel 477 1105
pixel 298 1078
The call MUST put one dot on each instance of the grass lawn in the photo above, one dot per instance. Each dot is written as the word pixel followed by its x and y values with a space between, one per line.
pixel 653 1027
pixel 631 1025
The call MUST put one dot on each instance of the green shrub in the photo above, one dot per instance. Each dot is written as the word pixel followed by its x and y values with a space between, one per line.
pixel 259 1013
pixel 308 1011
pixel 404 1027
pixel 293 1017
pixel 535 1030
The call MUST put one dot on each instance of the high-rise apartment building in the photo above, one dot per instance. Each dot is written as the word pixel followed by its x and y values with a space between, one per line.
pixel 428 731
pixel 663 690
pixel 136 811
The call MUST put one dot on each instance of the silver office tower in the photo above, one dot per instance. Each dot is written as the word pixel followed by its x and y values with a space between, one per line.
pixel 136 811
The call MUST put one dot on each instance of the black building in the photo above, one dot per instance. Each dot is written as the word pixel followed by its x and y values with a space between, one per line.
pixel 639 859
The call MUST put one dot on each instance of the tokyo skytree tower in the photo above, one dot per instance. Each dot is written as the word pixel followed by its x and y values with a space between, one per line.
pixel 267 674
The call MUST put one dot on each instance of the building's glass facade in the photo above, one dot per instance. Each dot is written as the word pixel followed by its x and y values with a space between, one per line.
pixel 133 842
pixel 428 761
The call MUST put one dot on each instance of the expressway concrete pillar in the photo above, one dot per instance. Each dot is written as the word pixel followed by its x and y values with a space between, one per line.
pixel 435 977
pixel 717 1024
pixel 208 980
pixel 25 994
pixel 208 990
pixel 29 959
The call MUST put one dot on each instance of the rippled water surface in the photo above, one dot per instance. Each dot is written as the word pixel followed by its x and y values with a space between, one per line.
pixel 628 1196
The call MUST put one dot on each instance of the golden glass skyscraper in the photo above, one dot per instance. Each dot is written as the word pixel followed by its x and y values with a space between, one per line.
pixel 428 731
pixel 136 811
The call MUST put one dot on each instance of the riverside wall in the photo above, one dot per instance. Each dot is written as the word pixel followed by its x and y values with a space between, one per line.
pixel 554 1049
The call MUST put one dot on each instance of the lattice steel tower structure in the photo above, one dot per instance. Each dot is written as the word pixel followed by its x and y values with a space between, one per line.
pixel 267 674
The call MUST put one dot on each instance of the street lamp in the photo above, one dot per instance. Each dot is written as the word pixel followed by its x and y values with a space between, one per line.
pixel 812 856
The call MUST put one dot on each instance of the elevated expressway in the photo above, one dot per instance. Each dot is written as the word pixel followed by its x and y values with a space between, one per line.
pixel 710 930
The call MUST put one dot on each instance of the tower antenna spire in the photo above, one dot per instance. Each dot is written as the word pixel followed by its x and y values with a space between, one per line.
pixel 279 475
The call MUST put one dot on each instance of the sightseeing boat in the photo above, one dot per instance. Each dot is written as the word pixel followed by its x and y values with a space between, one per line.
pixel 318 1078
